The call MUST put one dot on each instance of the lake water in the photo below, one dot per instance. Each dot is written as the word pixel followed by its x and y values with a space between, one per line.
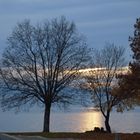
pixel 77 121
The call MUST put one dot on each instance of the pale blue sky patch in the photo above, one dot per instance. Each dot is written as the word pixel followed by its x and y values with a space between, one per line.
pixel 98 20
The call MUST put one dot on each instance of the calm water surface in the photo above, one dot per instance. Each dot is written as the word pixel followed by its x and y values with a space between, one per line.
pixel 80 121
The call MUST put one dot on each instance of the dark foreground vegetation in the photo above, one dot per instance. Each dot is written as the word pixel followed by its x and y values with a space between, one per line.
pixel 86 136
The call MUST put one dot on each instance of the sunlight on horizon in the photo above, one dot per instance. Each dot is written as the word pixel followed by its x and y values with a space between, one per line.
pixel 119 70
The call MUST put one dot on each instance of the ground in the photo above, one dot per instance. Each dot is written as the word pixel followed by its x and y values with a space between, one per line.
pixel 82 136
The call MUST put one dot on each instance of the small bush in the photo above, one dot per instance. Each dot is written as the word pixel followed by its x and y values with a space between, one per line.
pixel 97 130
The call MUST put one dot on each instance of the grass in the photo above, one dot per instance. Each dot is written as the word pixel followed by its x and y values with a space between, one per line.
pixel 82 136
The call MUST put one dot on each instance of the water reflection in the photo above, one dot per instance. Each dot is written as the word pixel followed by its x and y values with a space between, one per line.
pixel 78 122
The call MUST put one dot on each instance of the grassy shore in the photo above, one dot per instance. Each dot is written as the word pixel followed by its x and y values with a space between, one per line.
pixel 83 136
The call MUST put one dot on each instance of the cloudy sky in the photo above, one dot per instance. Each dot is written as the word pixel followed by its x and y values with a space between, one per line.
pixel 99 20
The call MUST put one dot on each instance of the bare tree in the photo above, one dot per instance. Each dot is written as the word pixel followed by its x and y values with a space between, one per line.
pixel 100 79
pixel 40 63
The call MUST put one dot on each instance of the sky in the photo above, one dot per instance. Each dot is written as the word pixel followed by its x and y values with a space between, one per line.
pixel 100 21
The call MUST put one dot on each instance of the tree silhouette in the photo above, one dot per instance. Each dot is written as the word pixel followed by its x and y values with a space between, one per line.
pixel 100 80
pixel 40 63
pixel 129 84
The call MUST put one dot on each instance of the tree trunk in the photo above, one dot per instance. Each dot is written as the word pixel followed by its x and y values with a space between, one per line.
pixel 107 125
pixel 46 127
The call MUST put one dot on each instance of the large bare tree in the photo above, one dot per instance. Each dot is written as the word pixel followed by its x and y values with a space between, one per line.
pixel 100 80
pixel 39 64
